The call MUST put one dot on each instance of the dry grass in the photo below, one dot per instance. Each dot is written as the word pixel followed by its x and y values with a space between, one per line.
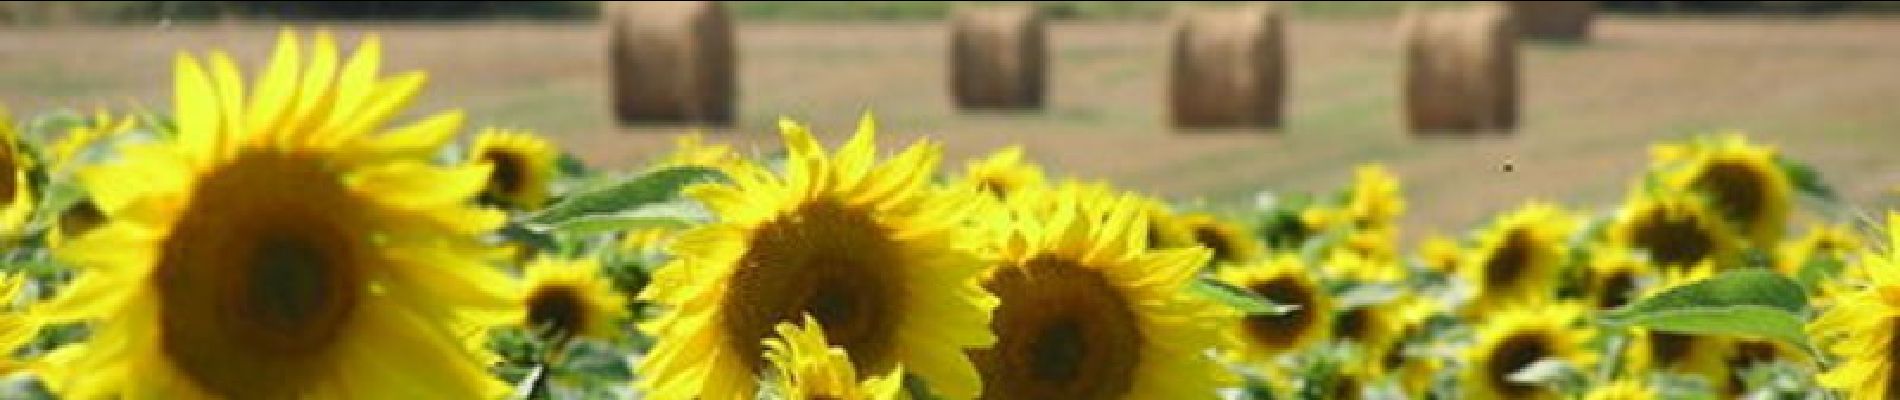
pixel 1824 90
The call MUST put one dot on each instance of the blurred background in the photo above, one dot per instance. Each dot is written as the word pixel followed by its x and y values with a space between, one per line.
pixel 1819 79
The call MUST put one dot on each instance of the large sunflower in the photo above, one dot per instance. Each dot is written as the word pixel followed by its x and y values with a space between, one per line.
pixel 278 246
pixel 1518 259
pixel 572 298
pixel 1003 173
pixel 1284 280
pixel 1515 337
pixel 1745 182
pixel 1861 327
pixel 523 164
pixel 1675 229
pixel 1088 312
pixel 881 257
pixel 1230 242
pixel 806 366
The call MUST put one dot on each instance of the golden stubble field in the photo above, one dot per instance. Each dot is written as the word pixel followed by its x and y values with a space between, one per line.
pixel 1827 91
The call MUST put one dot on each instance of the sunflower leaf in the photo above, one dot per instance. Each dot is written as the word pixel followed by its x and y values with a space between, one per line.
pixel 650 217
pixel 1751 302
pixel 657 186
pixel 1748 321
pixel 1240 298
pixel 1806 179
pixel 1818 270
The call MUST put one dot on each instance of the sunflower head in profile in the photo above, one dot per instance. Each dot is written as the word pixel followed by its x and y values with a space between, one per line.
pixel 1674 229
pixel 1003 172
pixel 1229 242
pixel 16 189
pixel 692 150
pixel 1089 312
pixel 1284 280
pixel 1822 242
pixel 1517 336
pixel 881 257
pixel 1700 356
pixel 1376 200
pixel 1615 276
pixel 1861 327
pixel 523 165
pixel 1518 257
pixel 283 243
pixel 806 366
pixel 1622 389
pixel 1745 183
pixel 568 298
pixel 1165 228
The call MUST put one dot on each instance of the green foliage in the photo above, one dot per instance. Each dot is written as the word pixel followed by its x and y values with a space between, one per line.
pixel 627 195
pixel 1752 302
pixel 1239 298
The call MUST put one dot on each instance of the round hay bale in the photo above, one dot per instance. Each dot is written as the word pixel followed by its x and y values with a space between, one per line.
pixel 998 57
pixel 1228 68
pixel 1461 69
pixel 1554 20
pixel 671 61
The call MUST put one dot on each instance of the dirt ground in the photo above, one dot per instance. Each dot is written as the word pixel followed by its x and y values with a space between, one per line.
pixel 1824 90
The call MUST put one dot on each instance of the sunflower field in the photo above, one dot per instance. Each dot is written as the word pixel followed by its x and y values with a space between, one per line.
pixel 283 236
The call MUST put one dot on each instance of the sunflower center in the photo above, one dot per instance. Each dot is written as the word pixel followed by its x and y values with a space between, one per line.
pixel 1283 330
pixel 1507 264
pixel 1673 241
pixel 1213 240
pixel 9 175
pixel 557 308
pixel 1669 349
pixel 1354 324
pixel 1738 190
pixel 828 260
pixel 258 278
pixel 1063 332
pixel 1345 387
pixel 1513 354
pixel 1893 354
pixel 510 174
pixel 1615 290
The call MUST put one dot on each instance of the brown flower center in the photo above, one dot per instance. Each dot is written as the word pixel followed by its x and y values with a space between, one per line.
pixel 1739 190
pixel 825 259
pixel 1672 239
pixel 1283 330
pixel 1511 355
pixel 1063 332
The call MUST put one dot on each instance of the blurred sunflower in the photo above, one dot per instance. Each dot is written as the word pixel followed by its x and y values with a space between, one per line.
pixel 1284 280
pixel 1622 389
pixel 572 298
pixel 1859 327
pixel 1376 201
pixel 1513 338
pixel 1088 313
pixel 1440 253
pixel 1348 382
pixel 1003 172
pixel 876 253
pixel 1822 242
pixel 1614 276
pixel 1165 230
pixel 805 366
pixel 283 244
pixel 1745 183
pixel 1518 258
pixel 1375 330
pixel 524 166
pixel 1345 264
pixel 16 190
pixel 1414 373
pixel 1675 230
pixel 691 149
pixel 1230 242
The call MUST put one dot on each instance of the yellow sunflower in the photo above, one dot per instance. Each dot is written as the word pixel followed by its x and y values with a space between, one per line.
pixel 1675 230
pixel 876 253
pixel 691 149
pixel 1744 182
pixel 1622 389
pixel 284 244
pixel 524 166
pixel 806 367
pixel 1513 338
pixel 1822 242
pixel 1003 172
pixel 572 298
pixel 1230 242
pixel 1413 372
pixel 1366 255
pixel 1088 312
pixel 1518 258
pixel 1376 200
pixel 1614 276
pixel 1165 229
pixel 1284 280
pixel 1859 327
pixel 16 192
pixel 1440 253
pixel 1376 330
pixel 65 153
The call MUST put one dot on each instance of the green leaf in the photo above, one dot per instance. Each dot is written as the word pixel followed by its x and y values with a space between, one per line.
pixel 1816 270
pixel 654 187
pixel 1752 302
pixel 604 223
pixel 1239 298
pixel 1806 179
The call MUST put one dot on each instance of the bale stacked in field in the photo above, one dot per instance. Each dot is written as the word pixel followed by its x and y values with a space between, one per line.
pixel 997 57
pixel 1228 68
pixel 671 61
pixel 1553 20
pixel 1460 69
